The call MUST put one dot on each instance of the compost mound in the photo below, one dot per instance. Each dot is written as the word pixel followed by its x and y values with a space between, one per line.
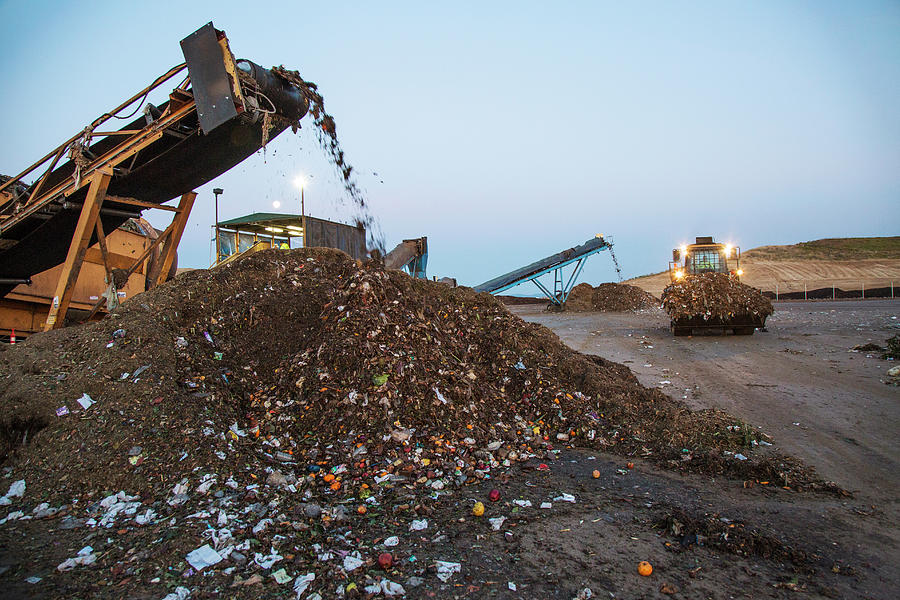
pixel 609 297
pixel 312 350
pixel 712 296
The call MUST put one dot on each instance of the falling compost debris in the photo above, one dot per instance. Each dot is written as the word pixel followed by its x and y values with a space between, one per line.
pixel 326 134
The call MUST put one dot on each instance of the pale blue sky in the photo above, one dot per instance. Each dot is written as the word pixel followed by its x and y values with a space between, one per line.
pixel 506 131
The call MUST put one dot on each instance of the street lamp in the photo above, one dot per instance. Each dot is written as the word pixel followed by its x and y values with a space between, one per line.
pixel 300 182
pixel 217 191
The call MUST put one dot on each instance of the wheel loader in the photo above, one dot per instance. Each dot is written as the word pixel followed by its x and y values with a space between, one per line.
pixel 708 256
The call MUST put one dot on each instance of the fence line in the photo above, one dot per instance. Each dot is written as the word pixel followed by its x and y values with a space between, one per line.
pixel 839 288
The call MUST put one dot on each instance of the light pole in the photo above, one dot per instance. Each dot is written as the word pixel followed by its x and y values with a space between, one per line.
pixel 217 191
pixel 301 183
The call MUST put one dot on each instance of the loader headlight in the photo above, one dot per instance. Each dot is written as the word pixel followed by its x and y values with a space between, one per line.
pixel 740 272
pixel 679 274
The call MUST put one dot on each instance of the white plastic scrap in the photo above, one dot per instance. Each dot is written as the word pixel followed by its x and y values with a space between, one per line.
pixel 86 556
pixel 511 586
pixel 418 525
pixel 203 557
pixel 546 505
pixel 281 576
pixel 180 593
pixel 266 561
pixel 352 562
pixel 445 570
pixel 389 588
pixel 522 503
pixel 13 516
pixel 261 526
pixel 85 401
pixel 179 493
pixel 16 490
pixel 740 456
pixel 116 504
pixel 565 498
pixel 392 541
pixel 144 518
pixel 302 582
pixel 497 522
pixel 440 396
pixel 206 482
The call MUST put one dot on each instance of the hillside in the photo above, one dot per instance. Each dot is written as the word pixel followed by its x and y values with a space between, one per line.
pixel 830 249
pixel 846 263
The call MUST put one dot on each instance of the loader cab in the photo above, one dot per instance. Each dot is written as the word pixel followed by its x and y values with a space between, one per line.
pixel 705 256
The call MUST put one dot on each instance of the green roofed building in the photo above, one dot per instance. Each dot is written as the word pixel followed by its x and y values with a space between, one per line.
pixel 260 231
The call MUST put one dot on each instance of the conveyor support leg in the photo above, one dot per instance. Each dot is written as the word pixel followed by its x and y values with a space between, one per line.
pixel 84 229
pixel 174 238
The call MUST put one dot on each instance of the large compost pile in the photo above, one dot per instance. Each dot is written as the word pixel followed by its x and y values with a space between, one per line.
pixel 273 421
pixel 713 296
pixel 609 297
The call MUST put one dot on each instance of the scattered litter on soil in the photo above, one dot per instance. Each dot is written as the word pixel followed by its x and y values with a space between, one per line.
pixel 297 408
pixel 892 352
pixel 713 296
pixel 609 297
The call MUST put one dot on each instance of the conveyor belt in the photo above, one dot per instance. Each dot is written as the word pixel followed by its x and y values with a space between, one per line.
pixel 546 265
pixel 411 255
pixel 174 152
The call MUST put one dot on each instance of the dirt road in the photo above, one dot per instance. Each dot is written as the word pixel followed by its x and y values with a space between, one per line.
pixel 798 382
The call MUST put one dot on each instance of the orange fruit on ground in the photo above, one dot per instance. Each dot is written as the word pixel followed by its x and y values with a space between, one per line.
pixel 328 477
pixel 630 465
pixel 645 568
pixel 361 509
pixel 596 474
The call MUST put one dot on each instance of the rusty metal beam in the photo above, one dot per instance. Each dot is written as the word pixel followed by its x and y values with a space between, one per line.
pixel 99 120
pixel 84 229
pixel 177 228
pixel 141 203
pixel 101 239
pixel 113 158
